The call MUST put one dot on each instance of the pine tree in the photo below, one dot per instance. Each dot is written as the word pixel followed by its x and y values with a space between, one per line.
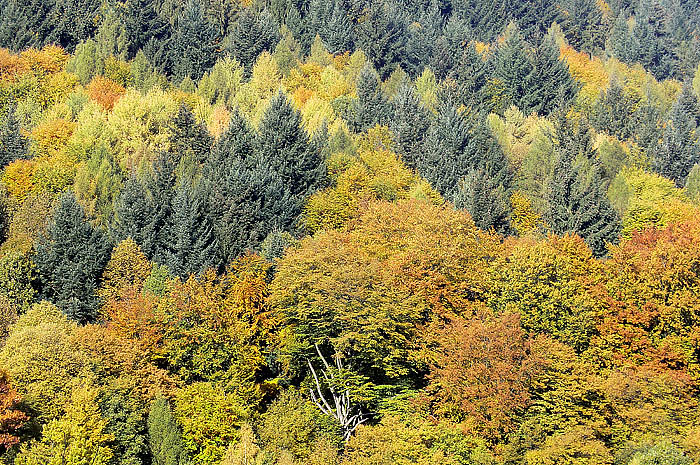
pixel 164 437
pixel 70 258
pixel 193 45
pixel 409 123
pixel 160 185
pixel 445 158
pixel 679 148
pixel 576 196
pixel 13 144
pixel 549 83
pixel 512 67
pixel 371 106
pixel 252 34
pixel 190 138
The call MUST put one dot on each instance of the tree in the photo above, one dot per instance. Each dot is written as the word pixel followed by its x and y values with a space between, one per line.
pixel 164 437
pixel 13 144
pixel 253 33
pixel 341 289
pixel 482 371
pixel 70 257
pixel 679 149
pixel 210 419
pixel 127 268
pixel 554 285
pixel 576 196
pixel 12 418
pixel 513 68
pixel 78 437
pixel 190 139
pixel 371 107
pixel 549 83
pixel 194 47
pixel 382 36
pixel 409 123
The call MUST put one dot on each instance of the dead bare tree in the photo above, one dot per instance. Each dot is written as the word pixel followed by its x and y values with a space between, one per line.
pixel 349 416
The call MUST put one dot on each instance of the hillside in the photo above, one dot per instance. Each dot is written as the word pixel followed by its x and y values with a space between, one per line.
pixel 349 232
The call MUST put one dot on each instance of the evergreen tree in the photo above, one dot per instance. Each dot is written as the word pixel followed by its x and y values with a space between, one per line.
pixel 252 34
pixel 145 30
pixel 445 158
pixel 338 34
pixel 13 144
pixel 70 257
pixel 132 214
pixel 371 106
pixel 619 43
pixel 193 45
pixel 449 47
pixel 193 246
pixel 284 146
pixel 653 44
pixel 470 76
pixel 160 185
pixel 382 35
pixel 614 112
pixel 576 196
pixel 485 191
pixel 582 23
pixel 164 437
pixel 679 148
pixel 549 83
pixel 190 139
pixel 513 69
pixel 409 123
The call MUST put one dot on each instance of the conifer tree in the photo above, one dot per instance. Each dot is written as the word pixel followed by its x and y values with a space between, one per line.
pixel 193 44
pixel 549 83
pixel 470 75
pixel 445 158
pixel 614 112
pixel 409 123
pixel 160 185
pixel 338 35
pixel 70 258
pixel 132 214
pixel 13 144
pixel 576 195
pixel 190 138
pixel 252 34
pixel 512 67
pixel 371 106
pixel 679 148
pixel 485 191
pixel 193 247
pixel 382 36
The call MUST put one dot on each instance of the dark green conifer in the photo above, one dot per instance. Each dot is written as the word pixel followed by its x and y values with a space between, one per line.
pixel 13 144
pixel 371 106
pixel 194 43
pixel 253 33
pixel 70 257
pixel 409 123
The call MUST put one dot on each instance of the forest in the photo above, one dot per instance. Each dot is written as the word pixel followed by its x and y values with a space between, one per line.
pixel 349 232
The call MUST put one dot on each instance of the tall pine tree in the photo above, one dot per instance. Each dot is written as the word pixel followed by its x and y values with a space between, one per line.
pixel 70 257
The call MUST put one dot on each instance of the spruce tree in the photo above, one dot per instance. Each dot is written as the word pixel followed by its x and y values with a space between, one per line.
pixel 549 83
pixel 70 257
pixel 131 214
pixel 193 246
pixel 485 191
pixel 193 45
pixel 13 144
pixel 338 35
pixel 253 33
pixel 471 75
pixel 576 196
pixel 371 106
pixel 382 35
pixel 679 148
pixel 409 123
pixel 513 69
pixel 445 158
pixel 190 139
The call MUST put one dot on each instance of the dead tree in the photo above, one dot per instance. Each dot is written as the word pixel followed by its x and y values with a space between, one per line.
pixel 349 416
